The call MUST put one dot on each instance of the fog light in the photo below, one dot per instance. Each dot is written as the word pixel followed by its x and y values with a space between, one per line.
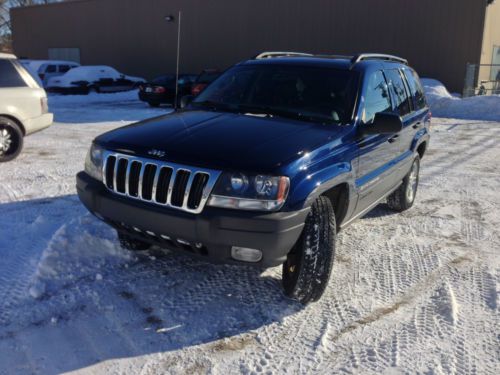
pixel 245 254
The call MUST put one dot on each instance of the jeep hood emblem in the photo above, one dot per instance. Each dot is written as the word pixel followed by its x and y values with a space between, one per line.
pixel 158 153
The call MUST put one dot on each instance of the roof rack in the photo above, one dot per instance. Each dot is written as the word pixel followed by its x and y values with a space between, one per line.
pixel 273 54
pixel 377 56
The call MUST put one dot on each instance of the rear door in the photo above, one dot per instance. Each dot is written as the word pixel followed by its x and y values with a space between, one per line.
pixel 418 117
pixel 20 95
pixel 403 105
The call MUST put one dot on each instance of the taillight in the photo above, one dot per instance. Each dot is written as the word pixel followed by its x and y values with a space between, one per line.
pixel 45 105
pixel 159 90
pixel 197 89
pixel 42 76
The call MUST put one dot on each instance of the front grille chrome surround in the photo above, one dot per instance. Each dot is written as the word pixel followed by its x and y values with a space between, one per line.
pixel 132 176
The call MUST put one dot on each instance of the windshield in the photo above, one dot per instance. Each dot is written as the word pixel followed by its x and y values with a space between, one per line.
pixel 303 92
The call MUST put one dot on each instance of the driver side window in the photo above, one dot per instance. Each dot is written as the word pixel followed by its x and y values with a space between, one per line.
pixel 377 98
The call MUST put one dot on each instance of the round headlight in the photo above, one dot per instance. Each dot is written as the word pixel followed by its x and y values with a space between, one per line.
pixel 265 185
pixel 239 182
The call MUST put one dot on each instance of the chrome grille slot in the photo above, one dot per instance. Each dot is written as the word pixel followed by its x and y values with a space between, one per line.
pixel 147 181
pixel 179 189
pixel 121 171
pixel 133 178
pixel 109 172
pixel 196 193
pixel 158 182
pixel 162 185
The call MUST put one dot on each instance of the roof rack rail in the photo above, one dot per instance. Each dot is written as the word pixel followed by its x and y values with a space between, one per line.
pixel 377 56
pixel 273 54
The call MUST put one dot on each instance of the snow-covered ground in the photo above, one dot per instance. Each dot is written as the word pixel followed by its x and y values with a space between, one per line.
pixel 416 292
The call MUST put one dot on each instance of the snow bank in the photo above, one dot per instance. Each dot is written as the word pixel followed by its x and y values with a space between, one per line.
pixel 444 104
pixel 83 248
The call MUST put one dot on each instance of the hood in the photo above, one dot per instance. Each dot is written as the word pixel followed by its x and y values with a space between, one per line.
pixel 219 140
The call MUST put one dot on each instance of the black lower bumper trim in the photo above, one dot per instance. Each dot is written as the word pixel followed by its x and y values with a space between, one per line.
pixel 211 233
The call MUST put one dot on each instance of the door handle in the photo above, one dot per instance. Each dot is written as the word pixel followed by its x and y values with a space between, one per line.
pixel 393 138
pixel 417 125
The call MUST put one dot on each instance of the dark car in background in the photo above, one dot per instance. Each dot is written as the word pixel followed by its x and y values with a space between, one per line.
pixel 203 80
pixel 161 90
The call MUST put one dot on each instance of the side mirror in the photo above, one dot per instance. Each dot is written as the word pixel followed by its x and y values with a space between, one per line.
pixel 185 100
pixel 384 123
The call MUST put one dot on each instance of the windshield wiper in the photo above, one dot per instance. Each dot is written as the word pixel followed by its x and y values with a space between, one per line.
pixel 212 105
pixel 269 111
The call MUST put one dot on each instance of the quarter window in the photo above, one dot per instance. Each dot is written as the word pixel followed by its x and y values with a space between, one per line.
pixel 416 90
pixel 9 76
pixel 64 68
pixel 377 98
pixel 397 87
pixel 51 69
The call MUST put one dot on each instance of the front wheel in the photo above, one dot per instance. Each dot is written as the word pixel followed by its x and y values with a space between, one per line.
pixel 306 271
pixel 11 139
pixel 404 196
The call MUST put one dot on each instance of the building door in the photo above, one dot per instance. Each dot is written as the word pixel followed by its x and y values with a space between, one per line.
pixel 66 54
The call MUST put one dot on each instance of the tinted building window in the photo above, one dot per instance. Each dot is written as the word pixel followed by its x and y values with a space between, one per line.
pixel 397 86
pixel 416 90
pixel 377 98
pixel 9 77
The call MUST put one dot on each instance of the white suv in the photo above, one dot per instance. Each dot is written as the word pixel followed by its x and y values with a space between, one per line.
pixel 23 107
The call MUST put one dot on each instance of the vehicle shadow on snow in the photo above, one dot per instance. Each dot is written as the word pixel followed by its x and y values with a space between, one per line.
pixel 89 294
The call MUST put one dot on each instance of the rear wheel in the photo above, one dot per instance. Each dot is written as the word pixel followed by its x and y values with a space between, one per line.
pixel 11 139
pixel 306 271
pixel 129 243
pixel 404 196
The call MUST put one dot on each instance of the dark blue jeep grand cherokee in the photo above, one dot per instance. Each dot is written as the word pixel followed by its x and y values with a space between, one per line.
pixel 267 164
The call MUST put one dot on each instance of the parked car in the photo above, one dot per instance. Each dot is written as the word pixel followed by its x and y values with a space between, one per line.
pixel 267 164
pixel 23 107
pixel 203 80
pixel 85 79
pixel 161 90
pixel 47 69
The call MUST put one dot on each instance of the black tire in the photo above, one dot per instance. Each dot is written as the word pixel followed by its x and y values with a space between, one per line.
pixel 154 104
pixel 132 244
pixel 11 139
pixel 307 270
pixel 401 199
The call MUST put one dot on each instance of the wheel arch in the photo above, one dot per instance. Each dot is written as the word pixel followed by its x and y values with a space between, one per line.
pixel 14 119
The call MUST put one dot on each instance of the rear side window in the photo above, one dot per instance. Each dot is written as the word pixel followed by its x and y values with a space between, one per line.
pixel 51 69
pixel 416 90
pixel 64 68
pixel 397 86
pixel 377 98
pixel 9 76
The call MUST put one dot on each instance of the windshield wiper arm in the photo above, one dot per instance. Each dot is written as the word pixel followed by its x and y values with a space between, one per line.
pixel 269 111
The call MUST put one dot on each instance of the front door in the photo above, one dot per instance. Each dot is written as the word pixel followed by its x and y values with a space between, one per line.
pixel 377 153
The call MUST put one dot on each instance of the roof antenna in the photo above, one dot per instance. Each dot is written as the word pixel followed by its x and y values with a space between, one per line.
pixel 171 18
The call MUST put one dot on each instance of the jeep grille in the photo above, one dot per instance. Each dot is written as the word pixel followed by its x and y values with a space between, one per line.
pixel 161 183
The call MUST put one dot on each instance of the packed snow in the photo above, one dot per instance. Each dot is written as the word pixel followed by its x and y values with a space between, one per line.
pixel 416 292
pixel 89 73
pixel 444 104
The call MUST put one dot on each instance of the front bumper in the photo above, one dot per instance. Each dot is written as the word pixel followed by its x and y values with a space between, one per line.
pixel 215 229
